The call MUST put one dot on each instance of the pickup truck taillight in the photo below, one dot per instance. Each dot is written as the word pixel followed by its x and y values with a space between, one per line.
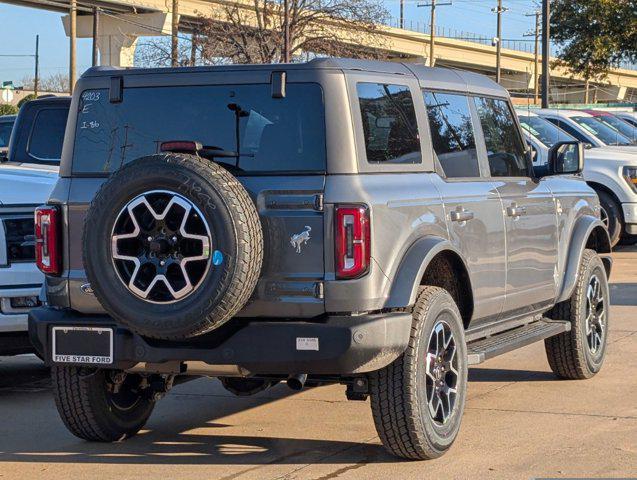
pixel 47 240
pixel 353 249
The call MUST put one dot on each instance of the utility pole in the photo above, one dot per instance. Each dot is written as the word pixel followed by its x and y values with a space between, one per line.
pixel 96 34
pixel 174 46
pixel 432 41
pixel 287 57
pixel 36 79
pixel 498 55
pixel 536 71
pixel 546 51
pixel 72 41
pixel 402 13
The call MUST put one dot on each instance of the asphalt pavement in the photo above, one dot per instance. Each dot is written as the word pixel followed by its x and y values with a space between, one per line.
pixel 520 422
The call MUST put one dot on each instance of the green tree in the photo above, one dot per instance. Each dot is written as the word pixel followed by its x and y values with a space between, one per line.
pixel 6 109
pixel 28 98
pixel 594 35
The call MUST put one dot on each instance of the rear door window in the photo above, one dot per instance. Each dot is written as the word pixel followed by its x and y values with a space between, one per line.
pixel 47 134
pixel 452 134
pixel 389 123
pixel 505 147
pixel 274 135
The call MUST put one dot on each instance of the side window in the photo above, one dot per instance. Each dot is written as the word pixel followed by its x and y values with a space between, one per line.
pixel 389 123
pixel 568 129
pixel 452 134
pixel 505 149
pixel 47 134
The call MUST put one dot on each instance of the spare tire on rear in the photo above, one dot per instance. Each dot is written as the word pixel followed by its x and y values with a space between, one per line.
pixel 173 246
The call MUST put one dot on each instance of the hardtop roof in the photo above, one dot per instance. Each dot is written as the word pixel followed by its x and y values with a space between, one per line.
pixel 428 77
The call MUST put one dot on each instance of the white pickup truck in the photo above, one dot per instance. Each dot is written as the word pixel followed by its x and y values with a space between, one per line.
pixel 28 172
pixel 610 170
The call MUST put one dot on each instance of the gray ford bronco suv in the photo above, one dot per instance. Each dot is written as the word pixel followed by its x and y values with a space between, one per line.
pixel 377 225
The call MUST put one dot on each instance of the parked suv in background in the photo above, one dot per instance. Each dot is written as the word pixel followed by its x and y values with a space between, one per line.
pixel 610 172
pixel 6 125
pixel 28 172
pixel 373 224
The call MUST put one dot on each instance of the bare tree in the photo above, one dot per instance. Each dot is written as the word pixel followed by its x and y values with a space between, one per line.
pixel 252 31
pixel 56 83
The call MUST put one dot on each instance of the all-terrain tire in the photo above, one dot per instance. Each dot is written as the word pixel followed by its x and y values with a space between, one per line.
pixel 398 392
pixel 569 354
pixel 236 238
pixel 614 216
pixel 87 407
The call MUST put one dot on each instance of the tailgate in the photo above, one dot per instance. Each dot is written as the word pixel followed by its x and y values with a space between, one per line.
pixel 290 208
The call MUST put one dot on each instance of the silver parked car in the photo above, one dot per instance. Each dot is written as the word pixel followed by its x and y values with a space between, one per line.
pixel 373 224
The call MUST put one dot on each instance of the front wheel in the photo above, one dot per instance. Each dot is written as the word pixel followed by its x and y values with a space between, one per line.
pixel 580 353
pixel 101 405
pixel 418 400
pixel 611 216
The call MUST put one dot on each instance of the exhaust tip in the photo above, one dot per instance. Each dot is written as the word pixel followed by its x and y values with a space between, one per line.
pixel 297 381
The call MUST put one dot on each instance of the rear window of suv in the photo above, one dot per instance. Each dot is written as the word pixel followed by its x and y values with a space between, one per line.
pixel 275 135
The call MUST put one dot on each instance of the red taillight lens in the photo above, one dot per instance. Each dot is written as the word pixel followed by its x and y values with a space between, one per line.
pixel 180 146
pixel 47 240
pixel 353 249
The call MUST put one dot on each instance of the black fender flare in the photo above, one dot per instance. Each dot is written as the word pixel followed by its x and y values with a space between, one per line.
pixel 585 226
pixel 413 266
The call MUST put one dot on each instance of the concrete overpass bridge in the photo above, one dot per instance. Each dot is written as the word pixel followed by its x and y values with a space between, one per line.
pixel 128 20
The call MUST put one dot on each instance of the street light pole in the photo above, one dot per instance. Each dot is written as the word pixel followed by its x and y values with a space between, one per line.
pixel 72 43
pixel 546 52
pixel 96 33
pixel 36 79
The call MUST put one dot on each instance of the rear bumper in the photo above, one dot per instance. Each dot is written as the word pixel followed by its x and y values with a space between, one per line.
pixel 344 344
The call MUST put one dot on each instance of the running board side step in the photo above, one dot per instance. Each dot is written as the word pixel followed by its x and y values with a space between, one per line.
pixel 480 350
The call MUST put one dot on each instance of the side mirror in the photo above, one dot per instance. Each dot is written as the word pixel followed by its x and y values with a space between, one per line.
pixel 566 158
pixel 4 156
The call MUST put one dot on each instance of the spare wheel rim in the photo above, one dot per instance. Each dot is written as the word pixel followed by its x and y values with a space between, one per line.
pixel 161 246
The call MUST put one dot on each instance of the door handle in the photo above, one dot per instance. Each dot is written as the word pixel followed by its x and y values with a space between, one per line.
pixel 515 210
pixel 461 215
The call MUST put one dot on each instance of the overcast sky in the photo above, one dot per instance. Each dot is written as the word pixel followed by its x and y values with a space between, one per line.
pixel 19 26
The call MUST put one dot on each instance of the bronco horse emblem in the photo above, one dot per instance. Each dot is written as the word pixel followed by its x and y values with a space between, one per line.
pixel 300 238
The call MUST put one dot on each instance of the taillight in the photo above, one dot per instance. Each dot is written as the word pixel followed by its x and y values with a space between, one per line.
pixel 47 240
pixel 353 249
pixel 180 146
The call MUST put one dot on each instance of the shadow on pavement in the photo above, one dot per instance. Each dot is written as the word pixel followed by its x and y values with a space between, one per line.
pixel 623 294
pixel 183 430
pixel 500 375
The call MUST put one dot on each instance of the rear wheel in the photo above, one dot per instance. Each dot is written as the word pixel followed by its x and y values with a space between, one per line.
pixel 101 405
pixel 611 217
pixel 580 353
pixel 418 400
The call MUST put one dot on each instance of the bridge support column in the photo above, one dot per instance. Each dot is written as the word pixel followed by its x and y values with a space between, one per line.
pixel 118 34
pixel 610 93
